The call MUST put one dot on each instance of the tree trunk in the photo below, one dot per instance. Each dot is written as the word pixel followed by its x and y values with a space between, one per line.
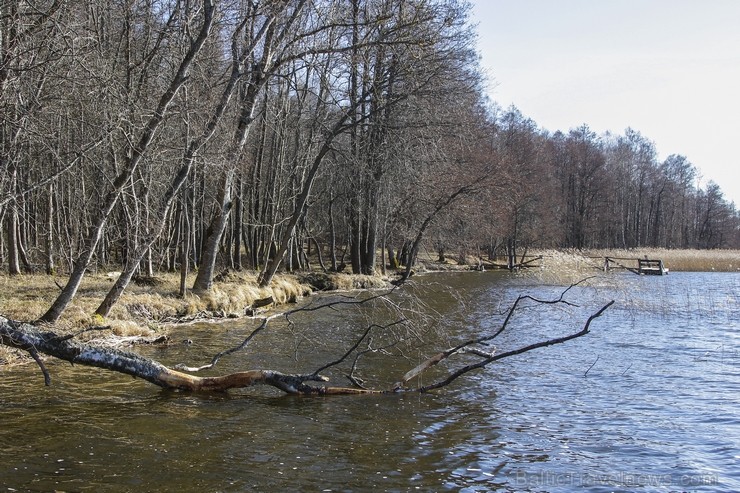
pixel 237 227
pixel 49 238
pixel 300 204
pixel 392 259
pixel 209 254
pixel 332 235
pixel 355 251
pixel 14 265
pixel 207 266
pixel 318 254
pixel 29 338
pixel 185 227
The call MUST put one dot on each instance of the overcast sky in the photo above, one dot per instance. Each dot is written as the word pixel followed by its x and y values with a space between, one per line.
pixel 667 68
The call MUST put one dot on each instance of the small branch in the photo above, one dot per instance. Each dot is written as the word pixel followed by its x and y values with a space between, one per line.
pixel 217 357
pixel 357 344
pixel 266 320
pixel 67 337
pixel 345 301
pixel 592 365
pixel 37 358
pixel 478 352
pixel 465 346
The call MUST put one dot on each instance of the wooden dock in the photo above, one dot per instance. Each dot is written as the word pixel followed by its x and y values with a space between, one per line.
pixel 651 267
pixel 644 266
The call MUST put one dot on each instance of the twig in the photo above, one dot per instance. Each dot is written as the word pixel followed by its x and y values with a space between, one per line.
pixel 266 320
pixel 465 346
pixel 357 344
pixel 67 337
pixel 592 365
pixel 217 357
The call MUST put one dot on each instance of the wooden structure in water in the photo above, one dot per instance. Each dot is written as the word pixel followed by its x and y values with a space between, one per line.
pixel 527 261
pixel 645 266
pixel 651 267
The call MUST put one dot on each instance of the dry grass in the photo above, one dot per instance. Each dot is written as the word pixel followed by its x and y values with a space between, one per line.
pixel 569 266
pixel 143 308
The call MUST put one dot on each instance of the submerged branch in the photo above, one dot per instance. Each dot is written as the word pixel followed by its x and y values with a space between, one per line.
pixel 357 344
pixel 37 341
pixel 481 364
pixel 466 346
pixel 30 338
pixel 266 320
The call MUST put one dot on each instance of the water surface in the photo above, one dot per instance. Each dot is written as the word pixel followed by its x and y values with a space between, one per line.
pixel 646 402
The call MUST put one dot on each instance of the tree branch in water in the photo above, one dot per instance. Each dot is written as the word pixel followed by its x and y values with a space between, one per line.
pixel 36 341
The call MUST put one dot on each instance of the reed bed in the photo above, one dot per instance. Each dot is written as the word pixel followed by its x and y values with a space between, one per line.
pixel 563 267
pixel 682 260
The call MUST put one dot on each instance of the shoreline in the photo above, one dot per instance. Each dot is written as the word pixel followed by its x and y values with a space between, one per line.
pixel 149 311
pixel 149 304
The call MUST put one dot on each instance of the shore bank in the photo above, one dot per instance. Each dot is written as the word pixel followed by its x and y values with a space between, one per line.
pixel 584 260
pixel 151 301
pixel 150 305
pixel 155 301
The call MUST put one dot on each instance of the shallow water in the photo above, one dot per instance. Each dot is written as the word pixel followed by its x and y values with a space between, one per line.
pixel 646 402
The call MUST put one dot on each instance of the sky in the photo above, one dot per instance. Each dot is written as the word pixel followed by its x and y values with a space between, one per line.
pixel 669 69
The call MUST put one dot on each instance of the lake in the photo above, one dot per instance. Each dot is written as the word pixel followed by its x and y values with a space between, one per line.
pixel 648 401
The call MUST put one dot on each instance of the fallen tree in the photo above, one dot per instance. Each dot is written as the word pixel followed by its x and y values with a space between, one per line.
pixel 37 341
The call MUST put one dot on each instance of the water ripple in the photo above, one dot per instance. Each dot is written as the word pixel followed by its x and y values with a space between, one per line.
pixel 646 402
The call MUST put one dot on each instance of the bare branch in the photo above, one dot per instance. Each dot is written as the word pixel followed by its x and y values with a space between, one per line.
pixel 266 320
pixel 35 355
pixel 481 364
pixel 357 344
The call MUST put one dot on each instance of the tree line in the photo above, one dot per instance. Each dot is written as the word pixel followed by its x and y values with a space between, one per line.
pixel 583 190
pixel 196 135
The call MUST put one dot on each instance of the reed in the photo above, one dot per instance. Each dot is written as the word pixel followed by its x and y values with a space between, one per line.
pixel 563 267
pixel 682 260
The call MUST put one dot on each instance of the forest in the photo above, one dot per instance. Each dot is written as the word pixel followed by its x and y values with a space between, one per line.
pixel 199 135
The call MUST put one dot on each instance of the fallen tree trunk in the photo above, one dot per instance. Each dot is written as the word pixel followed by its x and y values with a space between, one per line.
pixel 30 338
pixel 36 341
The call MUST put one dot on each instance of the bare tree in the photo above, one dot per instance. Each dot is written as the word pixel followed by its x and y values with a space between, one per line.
pixel 240 53
pixel 137 152
pixel 262 66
